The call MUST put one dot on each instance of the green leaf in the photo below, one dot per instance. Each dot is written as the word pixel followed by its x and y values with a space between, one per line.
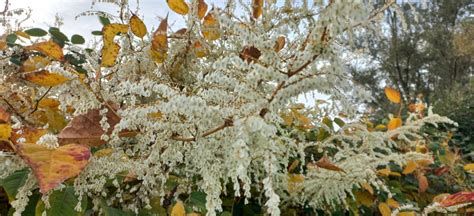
pixel 16 60
pixel 62 203
pixel 11 38
pixel 198 199
pixel 77 39
pixel 97 33
pixel 13 182
pixel 339 122
pixel 55 32
pixel 36 32
pixel 104 20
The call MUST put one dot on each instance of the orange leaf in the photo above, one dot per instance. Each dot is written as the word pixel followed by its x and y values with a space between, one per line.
pixel 279 43
pixel 385 209
pixel 45 78
pixel 4 116
pixel 53 166
pixel 210 27
pixel 178 6
pixel 178 209
pixel 367 187
pixel 49 48
pixel 410 167
pixel 202 9
pixel 394 123
pixel 364 198
pixel 159 43
pixel 257 8
pixel 384 172
pixel 137 26
pixel 422 183
pixel 199 50
pixel 326 164
pixel 5 131
pixel 458 198
pixel 30 134
pixel 393 95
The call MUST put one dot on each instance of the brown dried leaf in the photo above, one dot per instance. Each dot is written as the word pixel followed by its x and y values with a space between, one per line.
pixel 250 54
pixel 202 9
pixel 422 182
pixel 257 8
pixel 325 163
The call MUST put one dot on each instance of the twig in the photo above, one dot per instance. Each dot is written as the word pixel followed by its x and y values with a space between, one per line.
pixel 41 98
pixel 227 123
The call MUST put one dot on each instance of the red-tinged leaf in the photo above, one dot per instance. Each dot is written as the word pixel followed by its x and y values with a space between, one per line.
pixel 250 53
pixel 422 183
pixel 49 48
pixel 441 170
pixel 85 129
pixel 4 116
pixel 29 134
pixel 210 27
pixel 159 42
pixel 202 9
pixel 257 8
pixel 458 198
pixel 51 167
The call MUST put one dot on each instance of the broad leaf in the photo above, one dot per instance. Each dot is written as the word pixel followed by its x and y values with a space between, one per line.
pixel 178 6
pixel 77 39
pixel 159 42
pixel 13 182
pixel 178 209
pixel 394 123
pixel 393 95
pixel 257 8
pixel 202 9
pixel 36 32
pixel 410 167
pixel 62 203
pixel 45 78
pixel 137 26
pixel 210 27
pixel 49 48
pixel 53 166
pixel 110 52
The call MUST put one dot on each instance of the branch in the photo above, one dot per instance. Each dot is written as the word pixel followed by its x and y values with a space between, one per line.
pixel 227 123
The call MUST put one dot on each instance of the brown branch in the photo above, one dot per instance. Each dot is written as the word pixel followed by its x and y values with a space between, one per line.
pixel 227 123
pixel 41 98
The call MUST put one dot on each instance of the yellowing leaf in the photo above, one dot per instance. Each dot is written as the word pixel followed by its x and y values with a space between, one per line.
pixel 103 152
pixel 393 95
pixel 29 134
pixel 49 48
pixel 53 166
pixel 394 123
pixel 137 26
pixel 406 213
pixel 202 9
pixel 5 131
pixel 384 209
pixel 294 182
pixel 364 198
pixel 287 118
pixel 178 6
pixel 257 8
pixel 469 167
pixel 155 115
pixel 159 42
pixel 393 203
pixel 22 34
pixel 178 209
pixel 45 78
pixel 109 54
pixel 384 172
pixel 111 30
pixel 210 27
pixel 395 174
pixel 4 116
pixel 410 167
pixel 3 45
pixel 440 197
pixel 380 127
pixel 34 63
pixel 48 103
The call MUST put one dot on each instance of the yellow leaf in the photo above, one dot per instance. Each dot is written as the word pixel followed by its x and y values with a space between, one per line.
pixel 111 30
pixel 210 27
pixel 202 9
pixel 178 6
pixel 367 187
pixel 395 174
pixel 294 182
pixel 109 54
pixel 257 10
pixel 22 34
pixel 407 213
pixel 34 63
pixel 178 209
pixel 159 42
pixel 293 165
pixel 394 123
pixel 410 167
pixel 137 26
pixel 393 95
pixel 393 203
pixel 5 131
pixel 53 166
pixel 364 198
pixel 469 167
pixel 287 118
pixel 45 78
pixel 384 172
pixel 155 115
pixel 380 127
pixel 103 152
pixel 425 162
pixel 384 209
pixel 49 48
pixel 48 103
pixel 193 214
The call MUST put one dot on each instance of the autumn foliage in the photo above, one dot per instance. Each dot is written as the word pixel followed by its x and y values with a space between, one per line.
pixel 202 120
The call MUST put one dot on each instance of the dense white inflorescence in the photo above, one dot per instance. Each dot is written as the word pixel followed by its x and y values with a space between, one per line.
pixel 243 100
